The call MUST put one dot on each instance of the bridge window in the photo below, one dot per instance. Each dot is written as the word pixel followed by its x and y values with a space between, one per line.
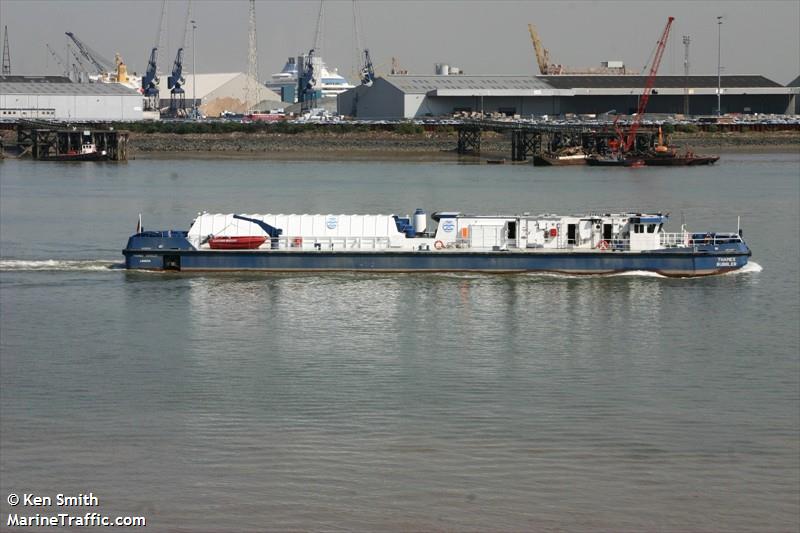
pixel 651 228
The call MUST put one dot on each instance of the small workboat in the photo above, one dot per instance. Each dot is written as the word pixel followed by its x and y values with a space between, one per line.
pixel 249 242
pixel 88 152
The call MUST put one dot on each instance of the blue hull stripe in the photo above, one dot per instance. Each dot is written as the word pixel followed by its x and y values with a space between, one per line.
pixel 670 264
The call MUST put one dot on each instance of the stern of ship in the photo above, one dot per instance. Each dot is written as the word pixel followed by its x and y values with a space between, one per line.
pixel 156 250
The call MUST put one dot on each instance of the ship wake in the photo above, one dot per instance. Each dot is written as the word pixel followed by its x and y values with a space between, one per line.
pixel 59 265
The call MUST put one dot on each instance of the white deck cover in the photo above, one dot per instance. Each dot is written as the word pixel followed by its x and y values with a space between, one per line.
pixel 306 226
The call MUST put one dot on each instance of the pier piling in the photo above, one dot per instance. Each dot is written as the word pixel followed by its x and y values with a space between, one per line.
pixel 529 140
pixel 43 140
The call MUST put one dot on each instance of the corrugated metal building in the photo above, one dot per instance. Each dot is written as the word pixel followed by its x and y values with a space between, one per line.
pixel 796 97
pixel 57 98
pixel 393 97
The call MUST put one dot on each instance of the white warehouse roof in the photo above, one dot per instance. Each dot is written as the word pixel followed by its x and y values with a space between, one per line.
pixel 460 85
pixel 56 85
pixel 426 84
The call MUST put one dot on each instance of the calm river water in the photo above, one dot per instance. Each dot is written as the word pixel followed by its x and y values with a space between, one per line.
pixel 398 402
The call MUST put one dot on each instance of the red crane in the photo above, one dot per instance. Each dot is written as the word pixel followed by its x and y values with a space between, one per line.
pixel 628 142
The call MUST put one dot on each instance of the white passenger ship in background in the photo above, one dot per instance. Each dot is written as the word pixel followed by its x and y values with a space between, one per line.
pixel 331 83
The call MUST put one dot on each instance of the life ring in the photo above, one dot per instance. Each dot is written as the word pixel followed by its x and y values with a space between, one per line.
pixel 602 245
pixel 438 245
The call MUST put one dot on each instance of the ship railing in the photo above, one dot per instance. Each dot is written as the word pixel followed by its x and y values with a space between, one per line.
pixel 675 240
pixel 564 242
pixel 686 239
pixel 559 243
pixel 332 243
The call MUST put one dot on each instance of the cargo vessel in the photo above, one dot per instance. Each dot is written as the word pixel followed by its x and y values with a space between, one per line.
pixel 451 242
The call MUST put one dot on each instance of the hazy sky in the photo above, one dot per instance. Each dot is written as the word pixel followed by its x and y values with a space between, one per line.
pixel 481 37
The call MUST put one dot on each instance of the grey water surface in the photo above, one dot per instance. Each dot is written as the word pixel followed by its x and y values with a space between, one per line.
pixel 356 402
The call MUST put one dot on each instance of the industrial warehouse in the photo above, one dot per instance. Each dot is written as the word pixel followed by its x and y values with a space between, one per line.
pixel 57 98
pixel 398 97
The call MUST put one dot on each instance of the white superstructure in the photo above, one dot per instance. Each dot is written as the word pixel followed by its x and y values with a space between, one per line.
pixel 449 231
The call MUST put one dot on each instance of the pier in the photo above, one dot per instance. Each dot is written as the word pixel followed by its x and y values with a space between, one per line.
pixel 47 141
pixel 528 140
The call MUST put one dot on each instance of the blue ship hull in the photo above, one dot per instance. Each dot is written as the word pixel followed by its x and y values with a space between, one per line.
pixel 173 252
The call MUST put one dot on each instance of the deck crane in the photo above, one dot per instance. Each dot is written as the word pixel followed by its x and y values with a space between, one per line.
pixel 367 70
pixel 626 143
pixel 150 78
pixel 101 65
pixel 175 81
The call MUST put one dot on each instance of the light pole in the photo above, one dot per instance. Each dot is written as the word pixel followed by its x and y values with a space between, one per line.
pixel 686 41
pixel 719 68
pixel 194 72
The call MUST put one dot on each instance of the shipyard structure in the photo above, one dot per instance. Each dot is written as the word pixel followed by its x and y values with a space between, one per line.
pixel 408 96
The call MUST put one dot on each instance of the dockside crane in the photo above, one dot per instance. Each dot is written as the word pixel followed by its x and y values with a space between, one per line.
pixel 175 81
pixel 101 65
pixel 629 141
pixel 397 69
pixel 546 68
pixel 6 55
pixel 307 79
pixel 79 68
pixel 58 58
pixel 150 79
pixel 542 54
pixel 366 69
